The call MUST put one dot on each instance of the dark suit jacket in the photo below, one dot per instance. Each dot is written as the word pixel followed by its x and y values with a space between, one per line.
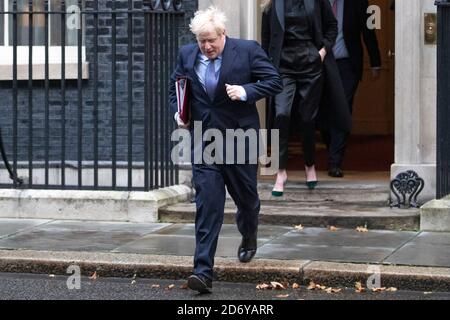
pixel 355 26
pixel 244 63
pixel 325 29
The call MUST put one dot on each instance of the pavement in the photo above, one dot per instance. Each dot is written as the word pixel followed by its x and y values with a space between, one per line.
pixel 407 260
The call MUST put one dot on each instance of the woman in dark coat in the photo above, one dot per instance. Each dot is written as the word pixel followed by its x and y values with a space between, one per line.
pixel 298 35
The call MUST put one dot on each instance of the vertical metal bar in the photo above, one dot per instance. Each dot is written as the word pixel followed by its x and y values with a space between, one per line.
pixel 172 50
pixel 176 44
pixel 30 93
pixel 162 92
pixel 166 99
pixel 15 111
pixel 157 94
pixel 80 101
pixel 96 96
pixel 146 102
pixel 114 103
pixel 151 97
pixel 63 94
pixel 130 95
pixel 47 96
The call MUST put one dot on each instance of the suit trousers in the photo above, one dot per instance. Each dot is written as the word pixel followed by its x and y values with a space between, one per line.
pixel 283 110
pixel 334 138
pixel 210 182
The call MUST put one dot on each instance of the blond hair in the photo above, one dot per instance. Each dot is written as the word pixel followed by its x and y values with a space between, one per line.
pixel 208 20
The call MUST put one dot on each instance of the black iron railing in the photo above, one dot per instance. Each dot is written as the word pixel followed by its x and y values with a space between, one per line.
pixel 109 130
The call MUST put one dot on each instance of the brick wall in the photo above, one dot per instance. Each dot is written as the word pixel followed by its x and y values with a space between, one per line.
pixel 104 95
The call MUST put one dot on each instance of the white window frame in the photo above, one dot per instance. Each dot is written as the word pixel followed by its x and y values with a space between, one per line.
pixel 38 58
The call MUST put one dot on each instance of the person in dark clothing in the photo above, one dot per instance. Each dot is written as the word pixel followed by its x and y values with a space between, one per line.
pixel 352 19
pixel 227 76
pixel 298 36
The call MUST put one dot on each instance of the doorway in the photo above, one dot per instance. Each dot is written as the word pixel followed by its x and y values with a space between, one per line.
pixel 371 145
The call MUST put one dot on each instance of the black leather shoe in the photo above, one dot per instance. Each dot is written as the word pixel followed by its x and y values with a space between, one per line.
pixel 247 249
pixel 335 172
pixel 200 284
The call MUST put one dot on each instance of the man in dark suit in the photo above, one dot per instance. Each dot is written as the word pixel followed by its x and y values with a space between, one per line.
pixel 352 19
pixel 227 76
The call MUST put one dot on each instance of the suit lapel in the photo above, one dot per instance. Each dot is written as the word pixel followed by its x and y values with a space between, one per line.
pixel 279 8
pixel 228 56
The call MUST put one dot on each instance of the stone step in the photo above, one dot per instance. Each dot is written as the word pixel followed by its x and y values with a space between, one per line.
pixel 311 214
pixel 376 193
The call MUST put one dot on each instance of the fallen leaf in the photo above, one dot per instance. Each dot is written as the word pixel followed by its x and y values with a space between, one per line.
pixel 299 227
pixel 277 286
pixel 51 275
pixel 392 289
pixel 359 287
pixel 170 287
pixel 332 290
pixel 362 229
pixel 331 228
pixel 282 296
pixel 134 276
pixel 94 276
pixel 295 286
pixel 314 286
pixel 156 286
pixel 263 286
pixel 133 281
pixel 378 289
pixel 427 292
pixel 184 286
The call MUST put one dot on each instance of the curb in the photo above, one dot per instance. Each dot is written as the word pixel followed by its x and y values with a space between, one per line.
pixel 226 269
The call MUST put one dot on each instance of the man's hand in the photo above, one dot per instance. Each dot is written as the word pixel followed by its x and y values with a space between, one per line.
pixel 180 122
pixel 323 53
pixel 236 93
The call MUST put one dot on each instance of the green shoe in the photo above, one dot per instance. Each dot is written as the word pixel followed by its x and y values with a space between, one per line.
pixel 277 194
pixel 311 184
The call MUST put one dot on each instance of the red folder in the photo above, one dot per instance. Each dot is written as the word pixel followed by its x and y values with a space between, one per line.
pixel 182 90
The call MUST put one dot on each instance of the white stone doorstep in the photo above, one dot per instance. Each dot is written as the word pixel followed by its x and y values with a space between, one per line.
pixel 115 206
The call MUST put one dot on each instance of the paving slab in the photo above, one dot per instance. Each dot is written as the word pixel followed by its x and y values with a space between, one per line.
pixel 345 237
pixel 12 226
pixel 323 253
pixel 188 229
pixel 78 236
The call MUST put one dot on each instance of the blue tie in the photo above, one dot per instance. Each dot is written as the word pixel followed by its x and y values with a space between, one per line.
pixel 211 80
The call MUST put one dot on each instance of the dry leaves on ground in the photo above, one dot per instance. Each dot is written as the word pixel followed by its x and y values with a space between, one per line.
pixel 184 286
pixel 94 276
pixel 362 229
pixel 332 228
pixel 263 286
pixel 392 289
pixel 282 296
pixel 170 287
pixel 51 275
pixel 156 286
pixel 277 286
pixel 299 227
pixel 272 286
pixel 359 288
pixel 295 286
pixel 314 286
